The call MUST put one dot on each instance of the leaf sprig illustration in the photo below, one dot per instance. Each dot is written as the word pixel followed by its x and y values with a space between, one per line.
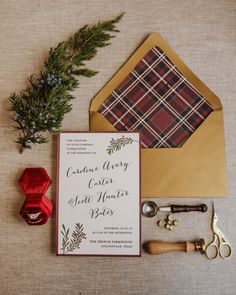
pixel 117 144
pixel 70 244
pixel 65 239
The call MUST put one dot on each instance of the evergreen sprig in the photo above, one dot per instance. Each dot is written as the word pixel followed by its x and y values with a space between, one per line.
pixel 117 144
pixel 41 106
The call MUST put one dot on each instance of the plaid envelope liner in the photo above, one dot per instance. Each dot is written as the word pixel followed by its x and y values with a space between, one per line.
pixel 156 100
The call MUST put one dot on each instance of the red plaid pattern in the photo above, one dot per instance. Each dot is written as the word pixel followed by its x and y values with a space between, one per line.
pixel 156 100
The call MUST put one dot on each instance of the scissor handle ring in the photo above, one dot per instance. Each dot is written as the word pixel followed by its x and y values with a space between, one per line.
pixel 210 247
pixel 226 246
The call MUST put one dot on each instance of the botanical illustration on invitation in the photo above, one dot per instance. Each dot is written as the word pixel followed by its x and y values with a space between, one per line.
pixel 98 208
pixel 116 145
pixel 70 244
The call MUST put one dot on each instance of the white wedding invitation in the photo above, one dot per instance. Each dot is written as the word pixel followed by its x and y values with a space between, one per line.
pixel 98 194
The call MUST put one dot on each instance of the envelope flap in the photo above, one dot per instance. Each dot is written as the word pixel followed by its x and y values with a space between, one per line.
pixel 180 175
pixel 206 146
pixel 154 40
pixel 98 123
pixel 197 169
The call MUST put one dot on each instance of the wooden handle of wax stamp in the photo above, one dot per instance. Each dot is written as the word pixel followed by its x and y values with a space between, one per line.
pixel 161 247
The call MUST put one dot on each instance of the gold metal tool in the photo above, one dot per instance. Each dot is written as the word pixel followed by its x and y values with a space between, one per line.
pixel 219 245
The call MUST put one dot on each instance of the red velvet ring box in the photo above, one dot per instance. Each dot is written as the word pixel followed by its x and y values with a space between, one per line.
pixel 37 208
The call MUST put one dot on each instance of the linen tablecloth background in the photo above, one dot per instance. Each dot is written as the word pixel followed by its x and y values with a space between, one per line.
pixel 203 33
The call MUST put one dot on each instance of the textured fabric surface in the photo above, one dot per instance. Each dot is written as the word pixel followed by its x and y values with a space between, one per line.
pixel 203 34
pixel 156 100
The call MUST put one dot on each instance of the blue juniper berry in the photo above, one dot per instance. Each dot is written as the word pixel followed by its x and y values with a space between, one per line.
pixel 50 80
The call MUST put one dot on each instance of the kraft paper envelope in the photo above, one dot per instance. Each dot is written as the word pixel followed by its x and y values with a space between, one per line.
pixel 197 168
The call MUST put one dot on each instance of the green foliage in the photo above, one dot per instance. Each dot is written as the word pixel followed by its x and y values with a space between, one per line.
pixel 41 106
pixel 116 145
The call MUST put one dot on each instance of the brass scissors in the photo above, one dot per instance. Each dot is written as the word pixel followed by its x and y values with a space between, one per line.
pixel 220 245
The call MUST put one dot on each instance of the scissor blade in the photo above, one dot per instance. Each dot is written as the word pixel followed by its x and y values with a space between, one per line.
pixel 214 218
